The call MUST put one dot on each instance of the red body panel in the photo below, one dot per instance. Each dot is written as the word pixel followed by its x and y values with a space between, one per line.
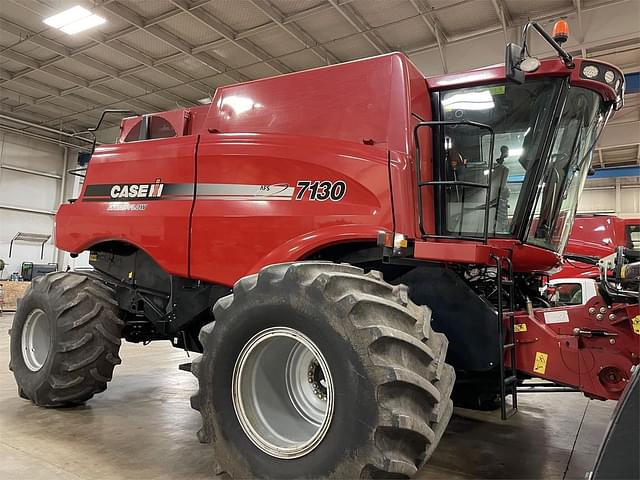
pixel 341 125
pixel 232 238
pixel 595 236
pixel 468 253
pixel 161 229
pixel 495 73
pixel 600 366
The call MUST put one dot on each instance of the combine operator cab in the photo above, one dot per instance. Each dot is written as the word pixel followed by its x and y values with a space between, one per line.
pixel 496 197
pixel 513 158
pixel 510 155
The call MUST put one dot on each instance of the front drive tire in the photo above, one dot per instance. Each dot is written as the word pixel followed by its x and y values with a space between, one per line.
pixel 386 377
pixel 65 339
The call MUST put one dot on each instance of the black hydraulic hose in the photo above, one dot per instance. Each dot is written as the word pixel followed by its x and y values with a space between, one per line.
pixel 582 258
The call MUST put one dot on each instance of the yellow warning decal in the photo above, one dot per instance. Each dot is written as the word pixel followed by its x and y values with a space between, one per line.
pixel 540 363
pixel 635 323
pixel 93 257
pixel 520 327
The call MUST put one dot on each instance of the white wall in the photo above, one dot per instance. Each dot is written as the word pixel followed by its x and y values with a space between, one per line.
pixel 28 200
pixel 615 197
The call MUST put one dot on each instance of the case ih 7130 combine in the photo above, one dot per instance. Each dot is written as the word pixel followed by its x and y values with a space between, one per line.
pixel 322 238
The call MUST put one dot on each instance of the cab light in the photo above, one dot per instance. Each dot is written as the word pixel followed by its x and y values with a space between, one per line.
pixel 530 64
pixel 609 76
pixel 561 31
pixel 590 71
pixel 391 240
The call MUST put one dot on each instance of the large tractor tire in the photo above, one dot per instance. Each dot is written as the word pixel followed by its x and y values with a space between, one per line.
pixel 318 370
pixel 65 339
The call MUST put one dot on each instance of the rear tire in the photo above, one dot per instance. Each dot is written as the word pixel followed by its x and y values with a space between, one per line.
pixel 386 367
pixel 65 339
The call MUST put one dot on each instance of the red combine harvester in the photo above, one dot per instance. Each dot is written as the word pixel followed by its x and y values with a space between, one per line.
pixel 594 237
pixel 310 234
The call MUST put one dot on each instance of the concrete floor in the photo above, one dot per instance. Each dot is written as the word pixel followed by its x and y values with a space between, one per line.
pixel 142 427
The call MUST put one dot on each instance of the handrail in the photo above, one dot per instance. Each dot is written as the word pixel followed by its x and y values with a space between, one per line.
pixel 420 183
pixel 78 172
pixel 92 130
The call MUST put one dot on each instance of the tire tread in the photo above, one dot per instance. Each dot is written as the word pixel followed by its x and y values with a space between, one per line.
pixel 412 382
pixel 88 333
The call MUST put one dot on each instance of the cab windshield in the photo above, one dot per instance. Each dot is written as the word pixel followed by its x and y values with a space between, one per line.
pixel 582 120
pixel 521 117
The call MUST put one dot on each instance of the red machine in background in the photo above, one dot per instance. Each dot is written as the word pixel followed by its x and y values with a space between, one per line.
pixel 596 236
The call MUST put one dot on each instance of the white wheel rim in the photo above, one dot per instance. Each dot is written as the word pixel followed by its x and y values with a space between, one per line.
pixel 36 340
pixel 283 393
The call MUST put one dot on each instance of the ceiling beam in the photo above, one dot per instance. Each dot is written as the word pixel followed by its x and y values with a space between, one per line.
pixel 502 11
pixel 64 53
pixel 433 24
pixel 56 72
pixel 194 6
pixel 110 41
pixel 295 31
pixel 207 59
pixel 452 40
pixel 484 32
pixel 578 6
pixel 351 16
pixel 600 158
pixel 180 76
pixel 225 31
pixel 460 38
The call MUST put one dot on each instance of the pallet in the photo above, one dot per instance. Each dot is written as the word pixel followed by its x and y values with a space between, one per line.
pixel 11 292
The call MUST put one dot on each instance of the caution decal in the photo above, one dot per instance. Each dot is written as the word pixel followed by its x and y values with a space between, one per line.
pixel 540 363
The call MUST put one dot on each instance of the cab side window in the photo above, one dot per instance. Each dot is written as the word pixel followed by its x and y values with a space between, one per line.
pixel 569 294
pixel 160 128
pixel 134 133
pixel 150 128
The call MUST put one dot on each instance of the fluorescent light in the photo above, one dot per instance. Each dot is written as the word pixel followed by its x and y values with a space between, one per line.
pixel 481 100
pixel 84 24
pixel 68 16
pixel 74 20
pixel 205 101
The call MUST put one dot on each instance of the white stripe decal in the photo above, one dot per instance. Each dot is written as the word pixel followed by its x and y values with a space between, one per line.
pixel 244 199
pixel 282 190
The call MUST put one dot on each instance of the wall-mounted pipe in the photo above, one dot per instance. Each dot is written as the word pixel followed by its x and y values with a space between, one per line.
pixel 43 128
pixel 44 138
pixel 26 209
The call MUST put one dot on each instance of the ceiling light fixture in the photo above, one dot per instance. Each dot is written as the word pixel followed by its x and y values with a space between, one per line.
pixel 74 20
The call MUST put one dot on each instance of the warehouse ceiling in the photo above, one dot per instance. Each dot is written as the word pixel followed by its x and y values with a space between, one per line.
pixel 152 55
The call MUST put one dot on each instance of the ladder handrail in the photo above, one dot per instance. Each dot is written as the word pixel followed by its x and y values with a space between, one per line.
pixel 510 381
pixel 437 123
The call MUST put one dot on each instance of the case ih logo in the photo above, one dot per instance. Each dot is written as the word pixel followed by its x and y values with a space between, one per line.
pixel 138 190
